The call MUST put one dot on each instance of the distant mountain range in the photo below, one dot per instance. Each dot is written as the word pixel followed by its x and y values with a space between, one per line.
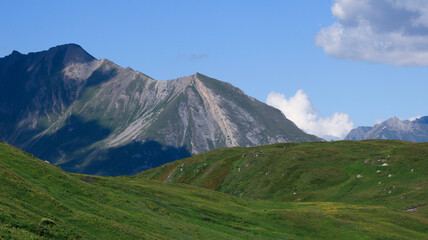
pixel 393 128
pixel 93 116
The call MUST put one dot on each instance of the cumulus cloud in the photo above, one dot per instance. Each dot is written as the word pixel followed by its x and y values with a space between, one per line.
pixel 378 121
pixel 384 31
pixel 303 113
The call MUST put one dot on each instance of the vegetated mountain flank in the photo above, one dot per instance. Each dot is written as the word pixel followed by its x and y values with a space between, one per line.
pixel 393 128
pixel 378 172
pixel 92 116
pixel 40 201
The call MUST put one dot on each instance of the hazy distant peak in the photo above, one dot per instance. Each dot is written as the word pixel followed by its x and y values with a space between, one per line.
pixel 393 120
pixel 393 128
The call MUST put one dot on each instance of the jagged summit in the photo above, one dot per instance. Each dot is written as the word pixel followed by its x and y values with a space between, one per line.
pixel 93 116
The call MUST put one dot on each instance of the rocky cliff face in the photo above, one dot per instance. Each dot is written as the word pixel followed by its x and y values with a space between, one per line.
pixel 92 116
pixel 393 128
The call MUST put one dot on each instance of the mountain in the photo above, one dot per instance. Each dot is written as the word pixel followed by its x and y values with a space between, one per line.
pixel 40 201
pixel 93 116
pixel 393 128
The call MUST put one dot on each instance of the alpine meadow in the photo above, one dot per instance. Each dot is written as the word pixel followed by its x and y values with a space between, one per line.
pixel 294 120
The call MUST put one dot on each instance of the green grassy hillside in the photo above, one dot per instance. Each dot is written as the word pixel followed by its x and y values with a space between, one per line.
pixel 38 200
pixel 323 171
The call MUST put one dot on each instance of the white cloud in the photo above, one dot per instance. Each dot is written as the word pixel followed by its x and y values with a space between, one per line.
pixel 385 31
pixel 378 121
pixel 303 113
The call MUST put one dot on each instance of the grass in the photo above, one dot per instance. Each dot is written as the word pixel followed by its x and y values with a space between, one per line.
pixel 40 201
pixel 315 172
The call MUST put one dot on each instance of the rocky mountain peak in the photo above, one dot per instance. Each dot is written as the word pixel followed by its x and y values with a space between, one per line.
pixel 93 116
pixel 396 123
pixel 69 53
pixel 392 120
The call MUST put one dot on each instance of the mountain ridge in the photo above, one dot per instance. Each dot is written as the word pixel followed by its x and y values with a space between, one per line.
pixel 393 128
pixel 51 99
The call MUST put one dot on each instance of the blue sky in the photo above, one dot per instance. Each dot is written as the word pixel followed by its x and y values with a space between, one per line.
pixel 258 46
